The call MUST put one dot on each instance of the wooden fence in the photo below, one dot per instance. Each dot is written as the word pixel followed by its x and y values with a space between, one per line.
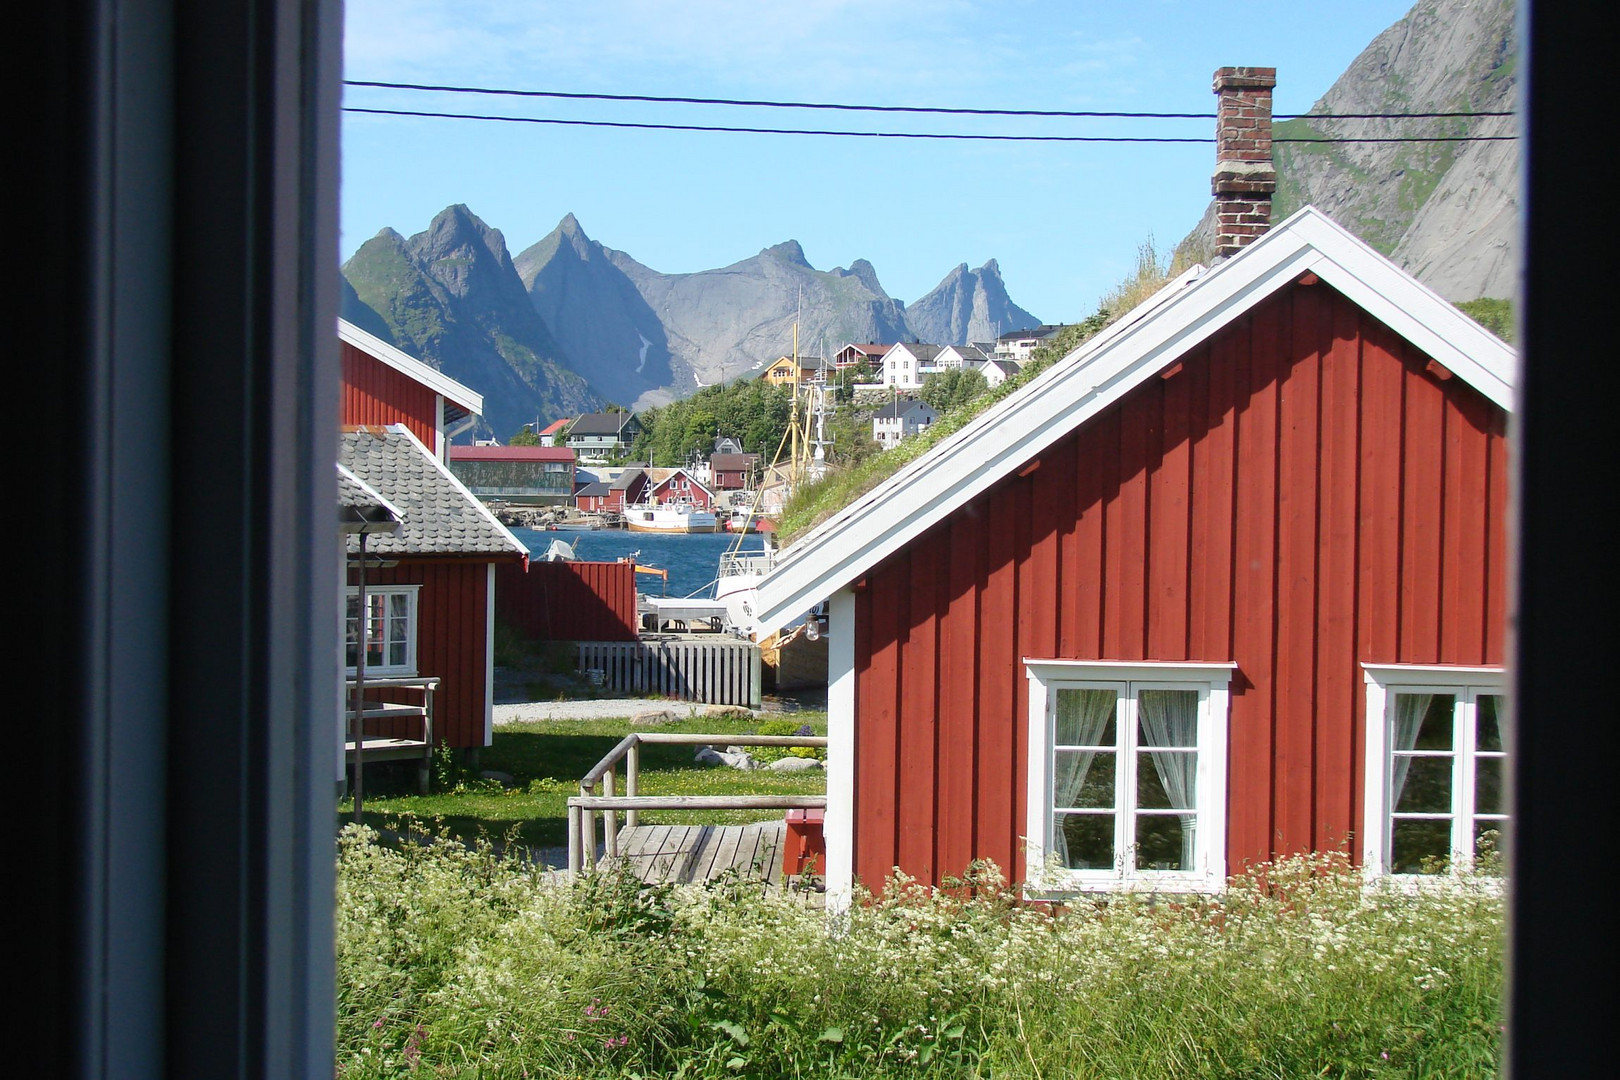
pixel 568 601
pixel 720 672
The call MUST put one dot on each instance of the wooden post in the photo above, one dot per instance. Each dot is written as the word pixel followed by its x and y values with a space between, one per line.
pixel 610 819
pixel 575 861
pixel 632 783
pixel 589 833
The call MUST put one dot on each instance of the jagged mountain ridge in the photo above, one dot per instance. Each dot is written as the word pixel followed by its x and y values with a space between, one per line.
pixel 1445 211
pixel 969 305
pixel 634 335
pixel 451 297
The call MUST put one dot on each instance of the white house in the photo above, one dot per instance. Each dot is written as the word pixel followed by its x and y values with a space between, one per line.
pixel 901 418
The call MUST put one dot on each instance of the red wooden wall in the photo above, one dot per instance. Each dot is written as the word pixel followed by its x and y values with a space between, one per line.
pixel 374 393
pixel 562 601
pixel 1300 497
pixel 452 630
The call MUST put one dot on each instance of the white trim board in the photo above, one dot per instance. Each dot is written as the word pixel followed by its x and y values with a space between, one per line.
pixel 1102 371
pixel 406 364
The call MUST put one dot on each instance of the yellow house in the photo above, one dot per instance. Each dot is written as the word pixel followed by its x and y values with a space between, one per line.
pixel 781 370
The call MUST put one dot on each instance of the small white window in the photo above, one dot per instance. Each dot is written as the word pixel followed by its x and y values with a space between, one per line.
pixel 391 629
pixel 1127 776
pixel 1436 792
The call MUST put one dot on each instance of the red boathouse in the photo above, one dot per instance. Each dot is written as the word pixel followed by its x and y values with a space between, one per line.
pixel 1225 583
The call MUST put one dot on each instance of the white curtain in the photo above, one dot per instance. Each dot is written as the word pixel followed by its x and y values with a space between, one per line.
pixel 1081 717
pixel 1410 709
pixel 1170 718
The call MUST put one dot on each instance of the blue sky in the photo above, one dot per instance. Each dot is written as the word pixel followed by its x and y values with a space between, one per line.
pixel 1064 221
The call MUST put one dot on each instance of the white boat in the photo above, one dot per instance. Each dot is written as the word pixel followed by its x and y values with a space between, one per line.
pixel 737 587
pixel 666 518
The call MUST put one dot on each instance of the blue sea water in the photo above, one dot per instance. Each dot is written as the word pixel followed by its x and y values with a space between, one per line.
pixel 690 559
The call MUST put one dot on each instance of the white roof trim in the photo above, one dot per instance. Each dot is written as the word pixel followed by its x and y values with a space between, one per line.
pixel 1100 372
pixel 517 545
pixel 406 364
pixel 348 473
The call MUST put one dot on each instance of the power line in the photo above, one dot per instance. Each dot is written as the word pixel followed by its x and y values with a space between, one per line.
pixel 953 136
pixel 764 104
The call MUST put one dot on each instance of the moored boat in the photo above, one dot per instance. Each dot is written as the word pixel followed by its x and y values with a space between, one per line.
pixel 670 519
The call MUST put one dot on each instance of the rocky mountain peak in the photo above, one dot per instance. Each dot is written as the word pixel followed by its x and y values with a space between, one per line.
pixel 789 252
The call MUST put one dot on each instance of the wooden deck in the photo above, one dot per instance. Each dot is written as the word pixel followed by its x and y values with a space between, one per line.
pixel 693 854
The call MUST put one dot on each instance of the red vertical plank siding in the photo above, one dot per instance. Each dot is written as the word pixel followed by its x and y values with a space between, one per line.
pixel 879 723
pixel 1249 828
pixel 564 601
pixel 1170 492
pixel 376 394
pixel 1087 555
pixel 1214 465
pixel 1300 498
pixel 1297 474
pixel 999 663
pixel 918 710
pixel 1338 689
pixel 450 644
pixel 959 698
pixel 1462 632
pixel 1422 515
pixel 1382 409
pixel 1496 541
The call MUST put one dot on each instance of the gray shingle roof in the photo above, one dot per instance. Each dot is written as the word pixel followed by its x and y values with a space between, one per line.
pixel 440 517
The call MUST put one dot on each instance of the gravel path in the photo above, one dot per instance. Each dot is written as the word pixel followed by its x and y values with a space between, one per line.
pixel 600 709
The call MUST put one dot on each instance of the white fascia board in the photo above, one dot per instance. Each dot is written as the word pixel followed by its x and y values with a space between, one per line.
pixel 1433 324
pixel 399 515
pixel 1100 372
pixel 406 364
pixel 444 470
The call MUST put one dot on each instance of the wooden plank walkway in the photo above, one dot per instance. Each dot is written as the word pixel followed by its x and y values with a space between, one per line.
pixel 693 854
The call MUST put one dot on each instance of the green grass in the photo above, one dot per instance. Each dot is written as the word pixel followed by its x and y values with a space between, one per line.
pixel 546 760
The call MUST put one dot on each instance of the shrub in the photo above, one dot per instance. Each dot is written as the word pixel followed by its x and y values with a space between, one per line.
pixel 769 754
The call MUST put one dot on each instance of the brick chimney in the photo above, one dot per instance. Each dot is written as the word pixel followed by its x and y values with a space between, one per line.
pixel 1244 176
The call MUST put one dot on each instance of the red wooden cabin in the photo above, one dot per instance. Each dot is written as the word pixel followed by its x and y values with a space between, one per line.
pixel 382 385
pixel 1227 582
pixel 434 602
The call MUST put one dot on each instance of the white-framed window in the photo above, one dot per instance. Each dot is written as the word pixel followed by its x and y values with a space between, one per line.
pixel 1436 790
pixel 1127 775
pixel 391 629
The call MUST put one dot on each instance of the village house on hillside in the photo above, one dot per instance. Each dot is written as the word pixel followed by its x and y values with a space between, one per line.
pixel 784 370
pixel 596 437
pixel 906 365
pixel 901 419
pixel 1227 583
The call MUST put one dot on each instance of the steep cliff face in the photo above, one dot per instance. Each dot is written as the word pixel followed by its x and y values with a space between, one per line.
pixel 593 308
pixel 1445 211
pixel 969 305
pixel 451 297
pixel 728 322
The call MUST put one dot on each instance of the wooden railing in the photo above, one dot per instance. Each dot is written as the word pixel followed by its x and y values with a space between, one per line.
pixel 584 808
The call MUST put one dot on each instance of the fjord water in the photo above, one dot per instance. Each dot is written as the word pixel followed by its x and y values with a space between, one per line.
pixel 690 559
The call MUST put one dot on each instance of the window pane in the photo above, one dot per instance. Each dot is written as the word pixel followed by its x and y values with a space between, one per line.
pixel 1428 785
pixel 1167 717
pixel 1488 773
pixel 1420 847
pixel 1164 841
pixel 1084 841
pixel 1490 839
pixel 396 654
pixel 1434 733
pixel 1083 778
pixel 1167 780
pixel 1488 722
pixel 1086 718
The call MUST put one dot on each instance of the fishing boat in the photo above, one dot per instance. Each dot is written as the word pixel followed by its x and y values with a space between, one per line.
pixel 670 518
